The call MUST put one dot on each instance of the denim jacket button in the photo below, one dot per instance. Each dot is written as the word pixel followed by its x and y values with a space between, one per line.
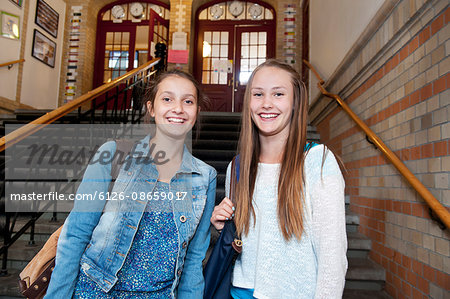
pixel 184 244
pixel 179 272
pixel 129 173
pixel 183 219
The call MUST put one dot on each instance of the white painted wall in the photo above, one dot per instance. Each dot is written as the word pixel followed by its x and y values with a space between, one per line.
pixel 40 82
pixel 9 51
pixel 335 26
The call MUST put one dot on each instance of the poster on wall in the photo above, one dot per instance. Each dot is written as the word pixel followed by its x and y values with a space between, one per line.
pixel 17 2
pixel 47 18
pixel 10 25
pixel 44 49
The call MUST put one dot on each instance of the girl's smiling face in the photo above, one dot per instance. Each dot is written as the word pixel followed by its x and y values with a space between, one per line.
pixel 175 107
pixel 272 101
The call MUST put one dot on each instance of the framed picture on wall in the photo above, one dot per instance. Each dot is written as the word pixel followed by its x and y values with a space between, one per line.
pixel 17 2
pixel 44 49
pixel 47 18
pixel 9 25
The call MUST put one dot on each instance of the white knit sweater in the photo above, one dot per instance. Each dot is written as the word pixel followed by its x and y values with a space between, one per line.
pixel 313 267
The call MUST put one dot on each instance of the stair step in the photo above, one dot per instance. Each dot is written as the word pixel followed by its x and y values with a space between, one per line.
pixel 358 241
pixel 364 274
pixel 351 218
pixel 21 251
pixel 364 294
pixel 204 154
pixel 359 245
pixel 9 285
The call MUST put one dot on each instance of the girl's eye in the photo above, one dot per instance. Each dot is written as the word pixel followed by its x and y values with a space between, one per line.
pixel 279 94
pixel 257 94
pixel 190 102
pixel 166 99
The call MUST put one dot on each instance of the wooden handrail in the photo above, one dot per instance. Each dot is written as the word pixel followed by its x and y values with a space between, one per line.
pixel 8 64
pixel 50 117
pixel 432 202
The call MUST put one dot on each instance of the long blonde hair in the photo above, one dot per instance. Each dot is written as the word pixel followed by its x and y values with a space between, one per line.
pixel 291 180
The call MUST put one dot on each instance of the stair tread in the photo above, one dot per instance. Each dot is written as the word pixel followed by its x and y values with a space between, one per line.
pixel 364 269
pixel 351 218
pixel 358 241
pixel 364 294
pixel 9 286
pixel 21 251
pixel 43 225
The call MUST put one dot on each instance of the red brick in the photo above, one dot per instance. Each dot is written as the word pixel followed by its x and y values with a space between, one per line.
pixel 397 206
pixel 429 273
pixel 417 210
pixel 415 153
pixel 423 285
pixel 426 151
pixel 395 60
pixel 406 262
pixel 415 97
pixel 404 53
pixel 413 44
pixel 439 85
pixel 401 272
pixel 411 278
pixel 437 24
pixel 443 279
pixel 417 267
pixel 424 35
pixel 391 290
pixel 440 149
pixel 406 288
pixel 416 294
pixel 406 208
pixel 398 257
pixel 389 205
pixel 392 267
pixel 447 15
pixel 426 92
pixel 397 282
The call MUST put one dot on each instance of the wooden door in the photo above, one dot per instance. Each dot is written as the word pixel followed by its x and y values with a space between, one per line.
pixel 252 49
pixel 216 48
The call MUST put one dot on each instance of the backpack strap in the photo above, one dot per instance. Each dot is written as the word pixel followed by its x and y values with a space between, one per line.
pixel 123 148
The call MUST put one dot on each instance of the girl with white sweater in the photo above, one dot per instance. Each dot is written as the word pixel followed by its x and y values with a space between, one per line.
pixel 289 204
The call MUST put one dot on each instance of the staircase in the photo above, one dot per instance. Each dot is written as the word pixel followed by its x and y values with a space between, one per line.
pixel 216 145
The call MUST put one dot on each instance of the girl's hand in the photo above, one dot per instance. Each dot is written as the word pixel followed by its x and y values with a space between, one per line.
pixel 224 211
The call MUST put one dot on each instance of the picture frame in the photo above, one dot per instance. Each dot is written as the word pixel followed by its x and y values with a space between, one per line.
pixel 47 18
pixel 10 25
pixel 17 2
pixel 44 49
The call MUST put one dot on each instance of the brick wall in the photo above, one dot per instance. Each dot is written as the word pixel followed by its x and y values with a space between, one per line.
pixel 399 85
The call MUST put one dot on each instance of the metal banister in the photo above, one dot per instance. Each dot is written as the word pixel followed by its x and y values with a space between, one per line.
pixel 432 202
pixel 50 117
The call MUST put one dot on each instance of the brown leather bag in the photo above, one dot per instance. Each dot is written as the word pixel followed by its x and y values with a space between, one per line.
pixel 35 277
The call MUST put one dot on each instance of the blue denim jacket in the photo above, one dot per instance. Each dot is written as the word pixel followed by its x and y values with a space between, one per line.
pixel 98 234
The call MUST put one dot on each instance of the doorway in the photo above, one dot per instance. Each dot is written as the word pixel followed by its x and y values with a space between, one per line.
pixel 127 32
pixel 231 42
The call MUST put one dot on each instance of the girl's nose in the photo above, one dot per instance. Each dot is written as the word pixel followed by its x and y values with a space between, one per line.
pixel 178 108
pixel 267 102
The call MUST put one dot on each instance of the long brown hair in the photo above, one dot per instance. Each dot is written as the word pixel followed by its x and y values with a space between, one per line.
pixel 291 180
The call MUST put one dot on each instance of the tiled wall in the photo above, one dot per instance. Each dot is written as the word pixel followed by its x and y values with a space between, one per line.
pixel 399 85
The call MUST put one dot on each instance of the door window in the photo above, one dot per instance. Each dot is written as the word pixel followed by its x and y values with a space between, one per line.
pixel 253 53
pixel 215 57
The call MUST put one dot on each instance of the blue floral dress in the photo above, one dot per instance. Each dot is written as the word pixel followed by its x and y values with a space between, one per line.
pixel 149 268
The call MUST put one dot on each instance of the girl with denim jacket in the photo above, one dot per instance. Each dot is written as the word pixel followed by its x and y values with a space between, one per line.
pixel 150 244
pixel 289 201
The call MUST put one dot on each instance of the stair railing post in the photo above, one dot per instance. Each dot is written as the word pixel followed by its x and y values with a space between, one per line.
pixel 6 238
